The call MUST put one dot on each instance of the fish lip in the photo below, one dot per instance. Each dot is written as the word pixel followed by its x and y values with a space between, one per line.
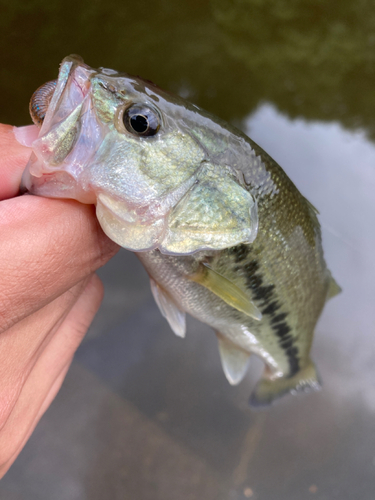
pixel 60 184
pixel 68 73
pixel 72 89
pixel 75 59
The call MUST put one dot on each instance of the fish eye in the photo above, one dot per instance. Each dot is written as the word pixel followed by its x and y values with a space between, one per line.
pixel 141 120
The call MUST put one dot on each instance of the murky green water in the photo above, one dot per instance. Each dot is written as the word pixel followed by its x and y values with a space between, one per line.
pixel 144 415
pixel 313 59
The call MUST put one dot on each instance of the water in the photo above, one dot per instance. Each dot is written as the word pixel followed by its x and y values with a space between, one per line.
pixel 143 414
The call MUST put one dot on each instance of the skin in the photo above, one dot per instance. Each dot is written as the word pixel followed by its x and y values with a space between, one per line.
pixel 49 294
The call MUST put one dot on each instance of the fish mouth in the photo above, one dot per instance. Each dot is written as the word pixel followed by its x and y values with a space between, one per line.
pixel 69 136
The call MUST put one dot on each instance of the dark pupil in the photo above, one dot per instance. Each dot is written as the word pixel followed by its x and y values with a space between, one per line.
pixel 141 120
pixel 139 123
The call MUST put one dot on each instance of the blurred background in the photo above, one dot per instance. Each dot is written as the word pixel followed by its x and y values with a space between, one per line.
pixel 143 414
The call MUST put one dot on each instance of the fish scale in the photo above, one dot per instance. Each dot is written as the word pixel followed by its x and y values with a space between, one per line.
pixel 222 231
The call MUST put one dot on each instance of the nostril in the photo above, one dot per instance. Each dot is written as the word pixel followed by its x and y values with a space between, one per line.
pixel 40 101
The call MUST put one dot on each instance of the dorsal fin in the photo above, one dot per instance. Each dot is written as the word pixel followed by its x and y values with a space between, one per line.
pixel 314 209
pixel 333 288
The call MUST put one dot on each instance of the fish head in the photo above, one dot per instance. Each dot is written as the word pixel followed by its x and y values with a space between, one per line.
pixel 151 163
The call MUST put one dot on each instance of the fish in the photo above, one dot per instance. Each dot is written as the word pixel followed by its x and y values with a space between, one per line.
pixel 222 231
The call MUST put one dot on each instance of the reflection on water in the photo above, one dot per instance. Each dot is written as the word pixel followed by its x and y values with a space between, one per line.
pixel 144 414
pixel 311 59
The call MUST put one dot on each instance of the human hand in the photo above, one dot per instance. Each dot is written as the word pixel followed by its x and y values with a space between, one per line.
pixel 49 250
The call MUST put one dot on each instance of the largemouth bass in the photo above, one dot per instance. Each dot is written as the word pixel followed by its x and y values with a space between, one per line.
pixel 221 230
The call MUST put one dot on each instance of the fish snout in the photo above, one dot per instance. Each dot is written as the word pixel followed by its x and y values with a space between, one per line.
pixel 68 138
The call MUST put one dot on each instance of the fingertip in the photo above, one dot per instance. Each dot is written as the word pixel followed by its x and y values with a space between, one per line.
pixel 94 290
pixel 26 135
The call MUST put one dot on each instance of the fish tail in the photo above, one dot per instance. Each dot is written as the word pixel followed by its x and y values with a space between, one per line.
pixel 267 390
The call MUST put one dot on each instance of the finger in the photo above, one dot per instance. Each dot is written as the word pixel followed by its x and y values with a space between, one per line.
pixel 46 247
pixel 13 159
pixel 26 135
pixel 18 447
pixel 21 345
pixel 46 377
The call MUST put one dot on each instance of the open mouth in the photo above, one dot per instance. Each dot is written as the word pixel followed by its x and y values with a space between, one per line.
pixel 69 135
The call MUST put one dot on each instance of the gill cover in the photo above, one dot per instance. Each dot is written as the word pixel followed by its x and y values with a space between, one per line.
pixel 215 213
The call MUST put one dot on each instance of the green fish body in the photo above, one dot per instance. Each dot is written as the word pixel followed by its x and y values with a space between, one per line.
pixel 221 230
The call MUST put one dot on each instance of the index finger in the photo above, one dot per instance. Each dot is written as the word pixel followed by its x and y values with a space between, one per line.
pixel 46 247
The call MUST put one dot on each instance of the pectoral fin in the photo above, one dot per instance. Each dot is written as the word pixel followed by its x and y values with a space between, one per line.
pixel 268 389
pixel 226 290
pixel 169 310
pixel 235 361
